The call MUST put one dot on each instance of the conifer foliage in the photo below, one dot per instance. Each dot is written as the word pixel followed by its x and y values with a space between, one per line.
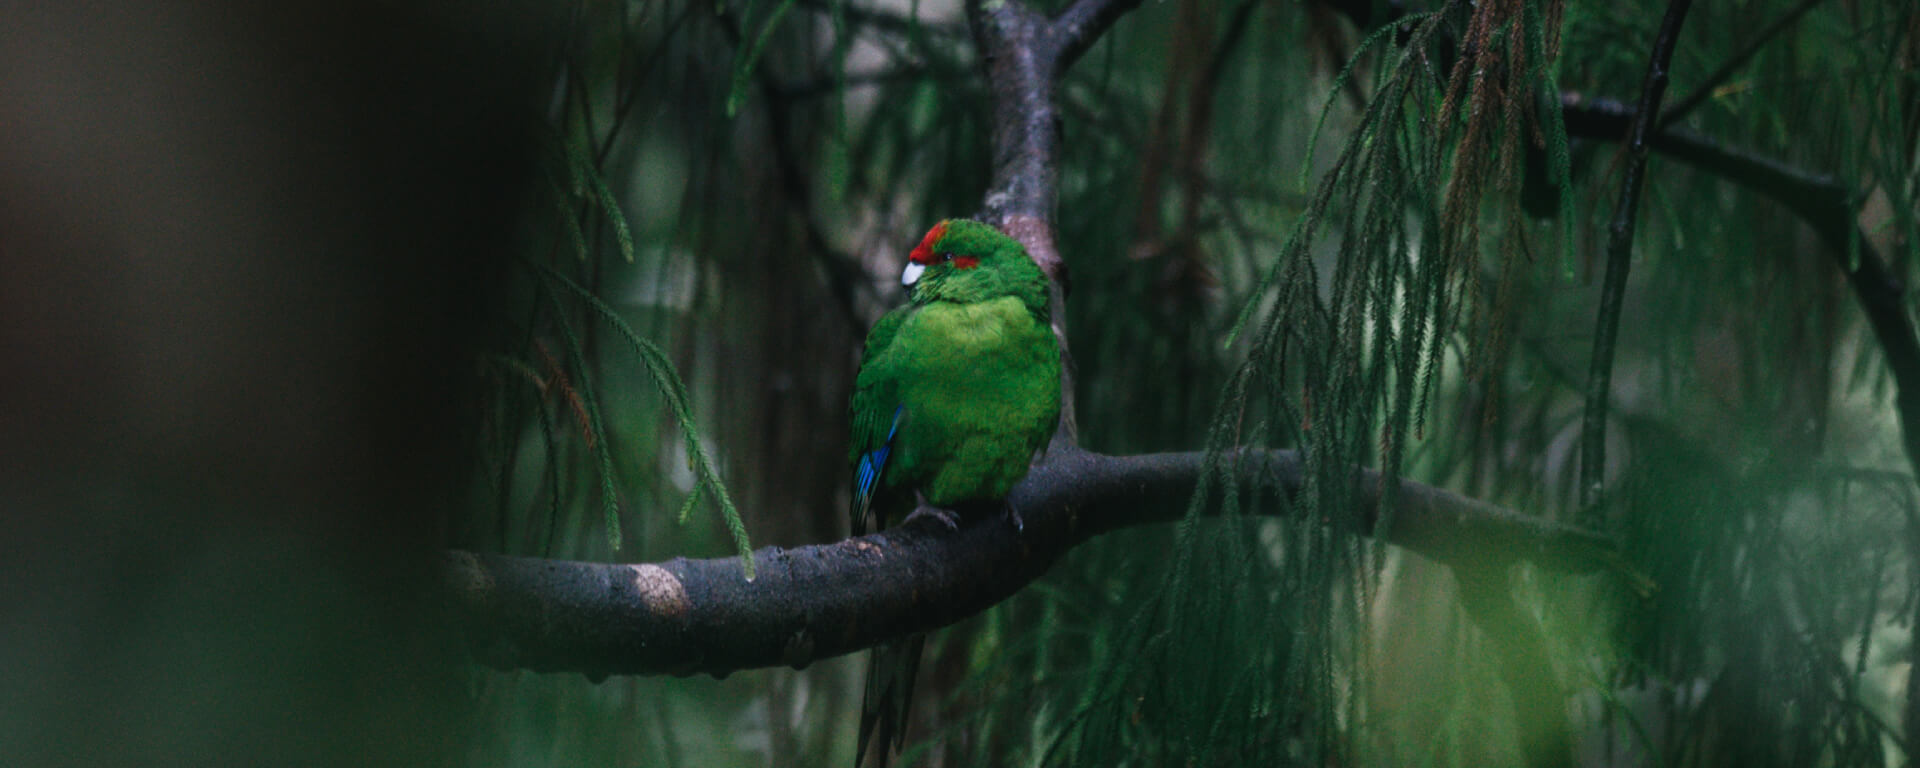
pixel 1467 244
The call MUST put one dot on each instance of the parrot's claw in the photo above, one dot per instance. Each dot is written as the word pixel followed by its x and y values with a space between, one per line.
pixel 949 519
pixel 1013 514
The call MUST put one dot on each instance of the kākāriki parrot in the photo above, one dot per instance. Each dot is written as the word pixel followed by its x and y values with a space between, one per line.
pixel 958 391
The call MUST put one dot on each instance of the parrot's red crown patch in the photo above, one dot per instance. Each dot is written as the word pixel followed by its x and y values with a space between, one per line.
pixel 923 253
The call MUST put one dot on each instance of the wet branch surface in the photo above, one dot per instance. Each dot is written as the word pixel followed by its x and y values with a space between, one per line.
pixel 686 616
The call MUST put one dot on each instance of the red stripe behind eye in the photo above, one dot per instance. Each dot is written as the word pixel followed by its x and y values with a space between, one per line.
pixel 923 253
pixel 966 262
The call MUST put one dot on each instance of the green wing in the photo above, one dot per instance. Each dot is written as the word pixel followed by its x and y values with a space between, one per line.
pixel 877 413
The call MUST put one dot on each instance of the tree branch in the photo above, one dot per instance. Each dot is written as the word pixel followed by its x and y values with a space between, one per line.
pixel 1828 207
pixel 1613 288
pixel 701 616
pixel 1082 24
pixel 1025 54
pixel 1019 52
pixel 1739 59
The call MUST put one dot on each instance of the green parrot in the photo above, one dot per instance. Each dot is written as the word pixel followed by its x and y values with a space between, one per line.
pixel 959 389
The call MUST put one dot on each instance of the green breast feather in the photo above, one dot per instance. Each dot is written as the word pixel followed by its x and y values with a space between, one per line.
pixel 980 384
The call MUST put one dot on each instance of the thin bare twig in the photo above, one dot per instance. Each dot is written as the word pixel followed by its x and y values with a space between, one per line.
pixel 1081 24
pixel 1613 288
pixel 1705 89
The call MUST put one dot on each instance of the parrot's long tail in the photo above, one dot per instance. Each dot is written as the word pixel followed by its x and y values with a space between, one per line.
pixel 891 669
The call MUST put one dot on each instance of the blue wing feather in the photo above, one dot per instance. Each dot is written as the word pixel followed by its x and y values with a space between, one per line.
pixel 867 475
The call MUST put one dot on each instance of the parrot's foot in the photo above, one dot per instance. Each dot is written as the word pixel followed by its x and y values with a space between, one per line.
pixel 949 519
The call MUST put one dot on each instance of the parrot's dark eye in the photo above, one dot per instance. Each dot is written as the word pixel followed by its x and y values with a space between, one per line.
pixel 946 257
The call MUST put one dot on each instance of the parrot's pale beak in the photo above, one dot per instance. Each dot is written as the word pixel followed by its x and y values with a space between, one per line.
pixel 912 273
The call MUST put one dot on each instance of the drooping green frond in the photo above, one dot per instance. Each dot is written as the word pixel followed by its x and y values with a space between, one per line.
pixel 597 433
pixel 661 370
pixel 584 172
pixel 748 58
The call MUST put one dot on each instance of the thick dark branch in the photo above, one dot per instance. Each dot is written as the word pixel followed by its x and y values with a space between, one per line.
pixel 1018 49
pixel 1613 288
pixel 701 616
pixel 1025 54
